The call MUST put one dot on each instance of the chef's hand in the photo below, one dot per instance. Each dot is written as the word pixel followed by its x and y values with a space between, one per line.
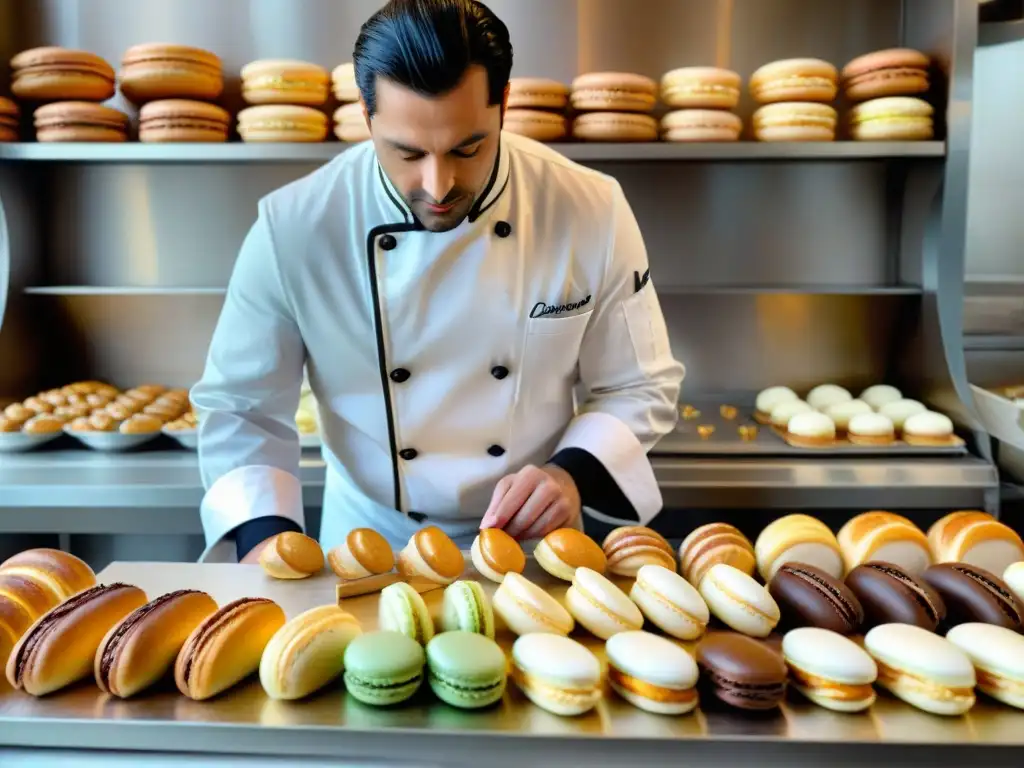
pixel 252 557
pixel 533 502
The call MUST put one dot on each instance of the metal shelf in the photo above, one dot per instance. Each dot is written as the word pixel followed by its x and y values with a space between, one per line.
pixel 1000 32
pixel 237 152
pixel 104 290
pixel 833 289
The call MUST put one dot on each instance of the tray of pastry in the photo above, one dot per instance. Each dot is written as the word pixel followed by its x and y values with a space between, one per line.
pixel 1002 411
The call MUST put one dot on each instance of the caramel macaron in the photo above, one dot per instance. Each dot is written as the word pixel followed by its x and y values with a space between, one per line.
pixel 282 123
pixel 795 80
pixel 886 537
pixel 350 123
pixel 699 125
pixel 537 93
pixel 9 116
pixel 536 124
pixel 153 71
pixel 613 92
pixel 975 538
pixel 561 552
pixel 59 74
pixel 343 79
pixel 431 555
pixel 494 553
pixel 797 538
pixel 631 547
pixel 364 553
pixel 284 81
pixel 711 544
pixel 703 88
pixel 182 120
pixel 75 121
pixel 615 126
pixel 892 72
pixel 292 555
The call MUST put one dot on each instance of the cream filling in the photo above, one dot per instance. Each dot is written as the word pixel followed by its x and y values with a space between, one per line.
pixel 793 120
pixel 696 88
pixel 277 125
pixel 349 564
pixel 669 605
pixel 622 621
pixel 282 83
pixel 477 556
pixel 794 81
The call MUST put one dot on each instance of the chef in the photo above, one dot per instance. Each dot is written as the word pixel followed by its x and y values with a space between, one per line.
pixel 474 312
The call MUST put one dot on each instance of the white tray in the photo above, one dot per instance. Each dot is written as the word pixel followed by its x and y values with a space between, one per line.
pixel 111 441
pixel 186 438
pixel 19 442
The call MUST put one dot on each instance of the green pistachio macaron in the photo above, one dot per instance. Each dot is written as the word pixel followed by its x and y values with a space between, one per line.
pixel 402 609
pixel 383 668
pixel 466 607
pixel 466 669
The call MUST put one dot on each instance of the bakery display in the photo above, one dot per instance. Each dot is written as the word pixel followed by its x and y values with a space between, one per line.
pixel 975 538
pixel 810 597
pixel 307 653
pixel 561 552
pixel 794 80
pixel 652 673
pixel 810 430
pixel 601 607
pixel 631 547
pixel 693 125
pixel 890 595
pixel 536 108
pixel 494 553
pixel 972 595
pixel 928 429
pixel 363 553
pixel 282 123
pixel 383 668
pixel 527 609
pixel 431 556
pixel 741 672
pixel 735 599
pixel 824 396
pixel 795 121
pixel 292 555
pixel 714 543
pixel 284 81
pixel 183 120
pixel 153 71
pixel 890 72
pixel 799 539
pixel 350 123
pixel 466 607
pixel 140 650
pixel 830 670
pixel 10 115
pixel 768 399
pixel 343 83
pixel 923 669
pixel 556 673
pixel 893 118
pixel 886 537
pixel 466 670
pixel 402 609
pixel 998 658
pixel 871 429
pixel 79 121
pixel 670 602
pixel 51 73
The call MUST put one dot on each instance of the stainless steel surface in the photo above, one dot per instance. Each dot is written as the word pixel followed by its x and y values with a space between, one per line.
pixel 245 720
pixel 1000 32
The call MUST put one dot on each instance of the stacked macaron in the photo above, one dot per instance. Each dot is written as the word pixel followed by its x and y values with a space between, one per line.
pixel 975 538
pixel 349 120
pixel 884 536
pixel 614 106
pixel 9 116
pixel 888 86
pixel 701 100
pixel 536 108
pixel 285 94
pixel 797 96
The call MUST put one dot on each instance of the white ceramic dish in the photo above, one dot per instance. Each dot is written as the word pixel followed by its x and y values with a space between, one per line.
pixel 19 442
pixel 111 441
pixel 186 438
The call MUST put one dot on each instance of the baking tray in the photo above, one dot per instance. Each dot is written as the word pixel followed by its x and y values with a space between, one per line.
pixel 726 441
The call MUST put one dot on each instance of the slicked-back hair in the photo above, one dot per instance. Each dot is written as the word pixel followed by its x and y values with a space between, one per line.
pixel 427 46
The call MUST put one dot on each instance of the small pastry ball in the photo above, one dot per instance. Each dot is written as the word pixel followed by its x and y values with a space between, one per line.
pixel 825 395
pixel 880 394
pixel 783 412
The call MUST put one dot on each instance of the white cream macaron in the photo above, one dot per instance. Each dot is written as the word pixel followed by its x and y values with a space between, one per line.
pixel 811 430
pixel 783 412
pixel 825 395
pixel 739 601
pixel 841 413
pixel 928 428
pixel 880 394
pixel 998 657
pixel 901 410
pixel 767 399
pixel 600 606
pixel 1014 578
pixel 871 429
pixel 652 673
pixel 526 608
pixel 556 673
pixel 921 668
pixel 670 602
pixel 829 669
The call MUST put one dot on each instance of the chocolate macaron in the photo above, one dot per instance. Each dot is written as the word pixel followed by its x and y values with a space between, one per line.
pixel 809 597
pixel 890 595
pixel 974 595
pixel 741 671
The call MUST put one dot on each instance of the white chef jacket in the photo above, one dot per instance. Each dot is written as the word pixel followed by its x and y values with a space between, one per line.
pixel 440 361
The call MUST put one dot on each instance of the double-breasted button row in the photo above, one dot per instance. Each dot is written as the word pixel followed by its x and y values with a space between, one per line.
pixel 408 454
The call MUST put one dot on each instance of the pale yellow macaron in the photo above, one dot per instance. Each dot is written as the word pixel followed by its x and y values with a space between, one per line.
pixel 892 118
pixel 284 81
pixel 282 123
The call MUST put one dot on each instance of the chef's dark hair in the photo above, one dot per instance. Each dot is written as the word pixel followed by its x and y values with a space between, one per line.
pixel 427 46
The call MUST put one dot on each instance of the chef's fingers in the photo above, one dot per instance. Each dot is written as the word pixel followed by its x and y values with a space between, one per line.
pixel 500 489
pixel 523 483
pixel 543 496
pixel 554 517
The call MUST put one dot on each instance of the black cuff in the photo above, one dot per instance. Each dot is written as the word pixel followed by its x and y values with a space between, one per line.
pixel 598 490
pixel 252 532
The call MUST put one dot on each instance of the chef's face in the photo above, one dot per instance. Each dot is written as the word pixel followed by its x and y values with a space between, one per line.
pixel 439 151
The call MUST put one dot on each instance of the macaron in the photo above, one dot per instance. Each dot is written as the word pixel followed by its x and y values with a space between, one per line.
pixel 810 430
pixel 631 547
pixel 735 599
pixel 768 398
pixel 431 555
pixel 741 672
pixel 924 670
pixel 901 410
pixel 714 543
pixel 561 552
pixel 537 93
pixel 383 668
pixel 1014 578
pixel 670 602
pixel 343 80
pixel 282 123
pixel 879 394
pixel 465 607
pixel 350 123
pixel 794 80
pixel 466 670
pixel 536 124
pixel 284 81
pixel 810 597
pixel 600 606
pixel 74 121
pixel 891 72
pixel 652 673
pixel 824 396
pixel 153 71
pixel 928 429
pixel 886 537
pixel 182 120
pixel 556 673
pixel 891 595
pixel 892 118
pixel 494 553
pixel 292 555
pixel 527 609
pixel 615 126
pixel 871 429
pixel 797 538
pixel 972 594
pixel 975 538
pixel 402 609
pixel 613 92
pixel 59 74
pixel 784 411
pixel 684 125
pixel 9 117
pixel 362 554
pixel 711 88
pixel 841 413
pixel 830 670
pixel 997 654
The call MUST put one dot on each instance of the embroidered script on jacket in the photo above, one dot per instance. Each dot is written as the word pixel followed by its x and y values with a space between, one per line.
pixel 540 309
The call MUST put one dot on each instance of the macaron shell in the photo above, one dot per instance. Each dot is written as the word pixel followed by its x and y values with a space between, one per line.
pixel 700 125
pixel 891 72
pixel 466 608
pixel 562 551
pixel 60 74
pixel 613 91
pixel 527 609
pixel 742 672
pixel 1014 578
pixel 350 124
pixel 370 548
pixel 615 126
pixel 739 601
pixel 972 594
pixel 282 123
pixel 466 670
pixel 284 81
pixel 153 71
pixel 670 602
pixel 343 79
pixel 794 121
pixel 558 661
pixel 383 668
pixel 829 655
pixel 795 80
pixel 700 88
pixel 892 119
pixel 500 552
pixel 653 659
pixel 998 657
pixel 402 609
pixel 810 597
pixel 536 125
pixel 537 93
pixel 600 606
pixel 440 552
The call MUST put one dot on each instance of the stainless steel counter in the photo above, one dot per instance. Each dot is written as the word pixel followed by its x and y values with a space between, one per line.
pixel 427 732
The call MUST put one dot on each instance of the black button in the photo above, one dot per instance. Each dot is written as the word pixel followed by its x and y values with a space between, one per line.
pixel 388 242
pixel 499 372
pixel 417 517
pixel 503 229
pixel 408 453
pixel 496 450
pixel 400 375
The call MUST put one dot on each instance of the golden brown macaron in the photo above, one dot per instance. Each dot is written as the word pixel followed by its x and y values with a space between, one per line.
pixel 292 555
pixel 80 121
pixel 561 552
pixel 350 123
pixel 51 73
pixel 711 544
pixel 431 555
pixel 533 93
pixel 9 115
pixel 152 71
pixel 282 123
pixel 536 124
pixel 60 574
pixel 226 648
pixel 891 72
pixel 183 120
pixel 494 553
pixel 363 553
pixel 284 81
pixel 633 546
pixel 887 537
pixel 34 597
pixel 60 647
pixel 343 78
pixel 975 538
